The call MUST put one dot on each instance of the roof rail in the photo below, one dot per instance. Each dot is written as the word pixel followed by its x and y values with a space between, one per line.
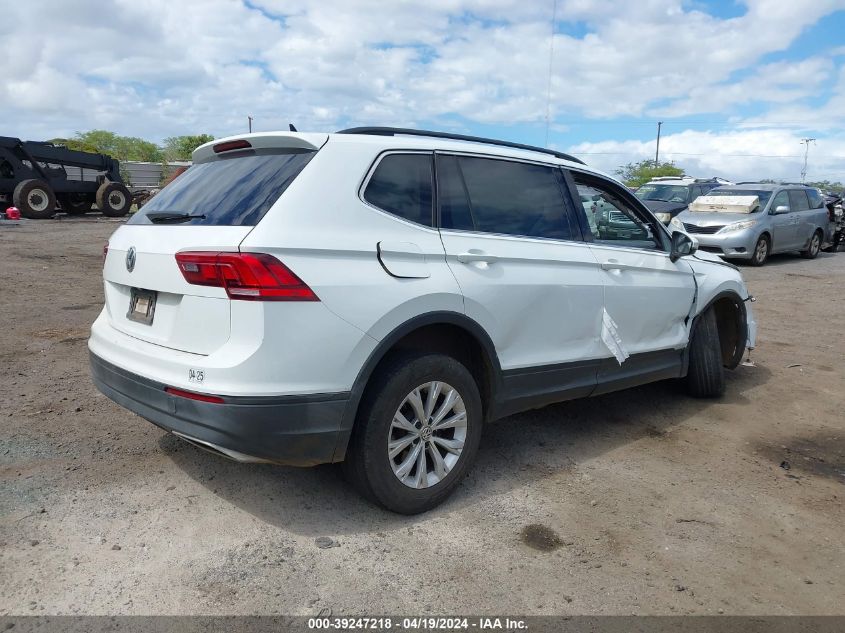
pixel 400 131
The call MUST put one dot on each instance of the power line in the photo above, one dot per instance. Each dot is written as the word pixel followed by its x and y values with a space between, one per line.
pixel 691 154
pixel 740 125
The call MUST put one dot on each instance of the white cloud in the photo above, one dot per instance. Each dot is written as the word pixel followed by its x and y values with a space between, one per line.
pixel 735 155
pixel 159 67
pixel 779 82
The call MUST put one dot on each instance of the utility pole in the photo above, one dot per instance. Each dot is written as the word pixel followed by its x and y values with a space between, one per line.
pixel 249 118
pixel 806 143
pixel 657 151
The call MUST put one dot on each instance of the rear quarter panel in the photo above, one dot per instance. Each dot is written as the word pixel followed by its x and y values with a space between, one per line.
pixel 329 237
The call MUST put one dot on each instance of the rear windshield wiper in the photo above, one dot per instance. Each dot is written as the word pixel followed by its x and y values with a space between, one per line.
pixel 166 217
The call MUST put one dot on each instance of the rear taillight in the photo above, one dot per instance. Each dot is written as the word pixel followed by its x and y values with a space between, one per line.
pixel 247 276
pixel 105 253
pixel 191 395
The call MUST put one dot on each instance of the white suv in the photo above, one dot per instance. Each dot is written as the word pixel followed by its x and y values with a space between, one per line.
pixel 376 295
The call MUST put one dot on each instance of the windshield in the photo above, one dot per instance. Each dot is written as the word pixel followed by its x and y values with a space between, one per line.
pixel 663 193
pixel 762 195
pixel 231 191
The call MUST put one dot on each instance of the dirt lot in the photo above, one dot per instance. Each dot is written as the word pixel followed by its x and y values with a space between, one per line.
pixel 643 501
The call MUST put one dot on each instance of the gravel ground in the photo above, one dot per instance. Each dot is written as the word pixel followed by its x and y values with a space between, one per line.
pixel 643 501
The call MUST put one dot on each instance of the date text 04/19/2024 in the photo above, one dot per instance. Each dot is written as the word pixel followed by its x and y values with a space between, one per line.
pixel 422 623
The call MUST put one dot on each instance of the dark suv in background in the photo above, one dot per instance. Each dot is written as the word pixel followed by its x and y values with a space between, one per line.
pixel 667 196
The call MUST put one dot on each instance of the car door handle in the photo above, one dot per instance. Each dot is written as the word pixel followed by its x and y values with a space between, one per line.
pixel 477 256
pixel 612 264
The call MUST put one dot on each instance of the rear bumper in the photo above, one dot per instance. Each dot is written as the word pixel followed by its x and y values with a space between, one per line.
pixel 291 430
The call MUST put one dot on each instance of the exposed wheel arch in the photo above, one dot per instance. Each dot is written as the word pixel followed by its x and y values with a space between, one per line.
pixel 450 333
pixel 732 325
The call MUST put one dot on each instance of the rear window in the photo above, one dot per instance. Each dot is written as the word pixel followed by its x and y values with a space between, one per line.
pixel 232 191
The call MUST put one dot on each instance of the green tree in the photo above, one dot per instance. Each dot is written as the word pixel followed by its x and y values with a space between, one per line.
pixel 636 174
pixel 115 145
pixel 181 147
pixel 827 185
pixel 75 144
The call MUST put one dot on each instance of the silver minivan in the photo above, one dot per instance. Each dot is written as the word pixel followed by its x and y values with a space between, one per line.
pixel 774 219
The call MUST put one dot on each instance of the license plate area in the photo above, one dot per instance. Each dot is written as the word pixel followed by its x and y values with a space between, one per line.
pixel 142 306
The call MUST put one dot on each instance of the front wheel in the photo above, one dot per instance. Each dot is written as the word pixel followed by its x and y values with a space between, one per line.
pixel 813 247
pixel 705 375
pixel 417 432
pixel 761 251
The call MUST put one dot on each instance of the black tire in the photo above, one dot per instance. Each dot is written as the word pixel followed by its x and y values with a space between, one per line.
pixel 369 467
pixel 761 251
pixel 705 375
pixel 35 199
pixel 76 203
pixel 814 246
pixel 114 199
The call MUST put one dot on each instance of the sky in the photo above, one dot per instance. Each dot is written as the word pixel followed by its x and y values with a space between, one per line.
pixel 736 83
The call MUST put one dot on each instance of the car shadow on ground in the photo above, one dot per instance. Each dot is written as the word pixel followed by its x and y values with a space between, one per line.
pixel 781 259
pixel 515 452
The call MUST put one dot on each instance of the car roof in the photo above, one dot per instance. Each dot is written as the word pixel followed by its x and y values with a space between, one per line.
pixel 671 180
pixel 755 186
pixel 684 180
pixel 401 141
pixel 394 131
pixel 400 138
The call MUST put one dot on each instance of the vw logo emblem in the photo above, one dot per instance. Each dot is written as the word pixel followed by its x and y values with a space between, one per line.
pixel 130 259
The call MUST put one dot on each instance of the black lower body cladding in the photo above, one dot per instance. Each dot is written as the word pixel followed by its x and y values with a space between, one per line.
pixel 290 430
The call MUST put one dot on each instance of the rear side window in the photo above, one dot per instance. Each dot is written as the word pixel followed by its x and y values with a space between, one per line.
pixel 816 200
pixel 232 191
pixel 401 185
pixel 503 197
pixel 798 200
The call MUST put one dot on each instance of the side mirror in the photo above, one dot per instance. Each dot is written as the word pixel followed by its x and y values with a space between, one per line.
pixel 682 244
pixel 781 209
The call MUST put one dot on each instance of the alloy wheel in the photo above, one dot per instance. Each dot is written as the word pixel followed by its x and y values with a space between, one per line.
pixel 815 245
pixel 761 251
pixel 427 435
